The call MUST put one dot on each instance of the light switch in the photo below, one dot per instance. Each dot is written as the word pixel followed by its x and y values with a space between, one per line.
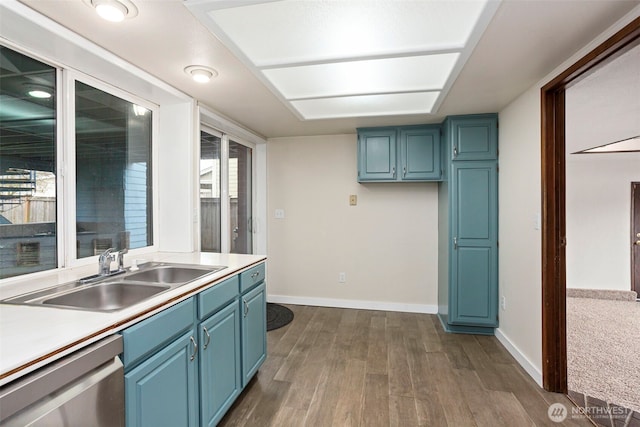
pixel 279 213
pixel 353 200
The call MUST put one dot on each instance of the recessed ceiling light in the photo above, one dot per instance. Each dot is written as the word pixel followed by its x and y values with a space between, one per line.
pixel 139 110
pixel 200 73
pixel 38 91
pixel 113 10
pixel 39 94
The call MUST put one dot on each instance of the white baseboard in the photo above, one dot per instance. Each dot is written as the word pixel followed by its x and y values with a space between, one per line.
pixel 520 358
pixel 357 304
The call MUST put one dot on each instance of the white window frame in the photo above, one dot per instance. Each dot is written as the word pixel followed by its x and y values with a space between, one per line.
pixel 225 203
pixel 70 77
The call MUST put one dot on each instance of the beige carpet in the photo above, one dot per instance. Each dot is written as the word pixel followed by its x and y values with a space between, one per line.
pixel 603 349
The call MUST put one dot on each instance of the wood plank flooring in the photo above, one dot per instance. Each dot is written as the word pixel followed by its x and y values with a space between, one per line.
pixel 343 367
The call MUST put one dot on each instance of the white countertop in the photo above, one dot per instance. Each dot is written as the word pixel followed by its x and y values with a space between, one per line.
pixel 32 336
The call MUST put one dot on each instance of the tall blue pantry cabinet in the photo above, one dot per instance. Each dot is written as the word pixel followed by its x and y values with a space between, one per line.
pixel 468 225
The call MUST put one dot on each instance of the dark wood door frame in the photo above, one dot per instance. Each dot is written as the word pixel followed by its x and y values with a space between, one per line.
pixel 554 345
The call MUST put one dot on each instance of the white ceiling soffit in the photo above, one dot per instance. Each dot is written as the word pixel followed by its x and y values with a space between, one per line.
pixel 351 58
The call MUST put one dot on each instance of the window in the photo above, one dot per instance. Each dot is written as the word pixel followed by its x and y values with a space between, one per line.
pixel 112 193
pixel 226 194
pixel 240 172
pixel 113 173
pixel 210 207
pixel 28 197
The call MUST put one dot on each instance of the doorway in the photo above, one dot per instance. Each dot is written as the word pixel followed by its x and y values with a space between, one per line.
pixel 554 345
pixel 635 237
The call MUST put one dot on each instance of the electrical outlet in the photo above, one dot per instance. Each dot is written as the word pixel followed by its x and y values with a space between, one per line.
pixel 342 277
pixel 503 302
pixel 353 200
pixel 279 213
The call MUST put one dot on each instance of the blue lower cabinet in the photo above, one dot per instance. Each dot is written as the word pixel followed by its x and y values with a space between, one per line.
pixel 220 382
pixel 162 391
pixel 474 259
pixel 186 365
pixel 254 336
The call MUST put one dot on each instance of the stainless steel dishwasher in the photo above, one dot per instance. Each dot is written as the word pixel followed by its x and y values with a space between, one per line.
pixel 85 388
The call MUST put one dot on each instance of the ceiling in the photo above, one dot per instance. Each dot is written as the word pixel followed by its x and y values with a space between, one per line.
pixel 524 41
pixel 346 58
pixel 603 108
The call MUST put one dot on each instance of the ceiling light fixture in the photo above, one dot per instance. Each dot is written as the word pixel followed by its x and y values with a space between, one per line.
pixel 139 110
pixel 200 73
pixel 113 10
pixel 38 91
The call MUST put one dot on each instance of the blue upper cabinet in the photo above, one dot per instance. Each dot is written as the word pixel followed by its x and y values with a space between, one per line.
pixel 420 154
pixel 473 137
pixel 410 153
pixel 377 154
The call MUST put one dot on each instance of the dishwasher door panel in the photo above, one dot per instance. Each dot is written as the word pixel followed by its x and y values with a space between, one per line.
pixel 95 398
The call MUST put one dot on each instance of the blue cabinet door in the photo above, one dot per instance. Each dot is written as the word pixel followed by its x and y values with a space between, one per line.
pixel 420 153
pixel 473 290
pixel 220 381
pixel 254 331
pixel 162 391
pixel 474 137
pixel 377 154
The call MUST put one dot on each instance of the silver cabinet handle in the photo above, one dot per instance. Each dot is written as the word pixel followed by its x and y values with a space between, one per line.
pixel 206 343
pixel 404 171
pixel 455 243
pixel 195 349
pixel 455 152
pixel 393 171
pixel 256 274
pixel 246 307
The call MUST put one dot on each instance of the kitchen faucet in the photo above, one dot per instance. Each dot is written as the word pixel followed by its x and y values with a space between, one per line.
pixel 104 265
pixel 109 256
pixel 104 262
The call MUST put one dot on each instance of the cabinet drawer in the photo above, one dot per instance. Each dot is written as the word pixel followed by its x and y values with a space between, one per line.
pixel 217 296
pixel 146 336
pixel 251 277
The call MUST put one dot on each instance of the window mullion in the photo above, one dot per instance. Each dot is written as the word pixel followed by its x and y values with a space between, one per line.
pixel 67 166
pixel 225 203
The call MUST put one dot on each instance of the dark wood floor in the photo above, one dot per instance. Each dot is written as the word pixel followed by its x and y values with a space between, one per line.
pixel 342 367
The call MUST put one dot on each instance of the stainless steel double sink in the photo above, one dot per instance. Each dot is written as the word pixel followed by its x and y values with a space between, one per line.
pixel 116 292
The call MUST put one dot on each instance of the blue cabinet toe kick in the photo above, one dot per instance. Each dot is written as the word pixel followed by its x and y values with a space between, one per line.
pixel 463 329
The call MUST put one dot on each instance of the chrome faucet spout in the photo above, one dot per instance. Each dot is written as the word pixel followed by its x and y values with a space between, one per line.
pixel 104 262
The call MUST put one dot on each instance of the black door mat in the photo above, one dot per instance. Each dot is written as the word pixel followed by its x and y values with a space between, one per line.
pixel 278 316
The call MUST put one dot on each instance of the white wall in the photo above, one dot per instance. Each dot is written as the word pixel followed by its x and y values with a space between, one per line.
pixel 602 108
pixel 520 202
pixel 176 177
pixel 520 239
pixel 386 245
pixel 599 220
